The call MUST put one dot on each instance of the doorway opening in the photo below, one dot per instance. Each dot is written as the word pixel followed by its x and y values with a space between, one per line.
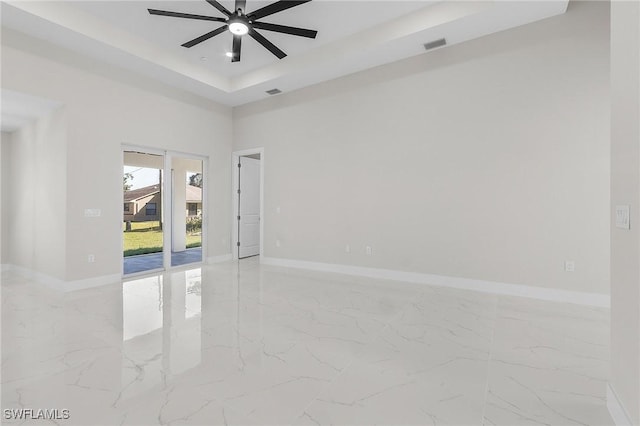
pixel 248 172
pixel 163 211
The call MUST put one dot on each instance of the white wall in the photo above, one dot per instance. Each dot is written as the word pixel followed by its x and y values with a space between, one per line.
pixel 103 113
pixel 36 204
pixel 625 190
pixel 5 146
pixel 487 160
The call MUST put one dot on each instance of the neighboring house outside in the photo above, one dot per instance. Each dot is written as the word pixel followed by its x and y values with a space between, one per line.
pixel 144 204
pixel 194 201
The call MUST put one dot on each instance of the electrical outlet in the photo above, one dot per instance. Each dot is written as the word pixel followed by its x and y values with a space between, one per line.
pixel 347 248
pixel 369 250
pixel 277 243
pixel 91 258
pixel 569 266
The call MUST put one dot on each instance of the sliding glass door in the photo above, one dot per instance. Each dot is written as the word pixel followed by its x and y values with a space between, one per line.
pixel 163 210
pixel 187 210
pixel 142 212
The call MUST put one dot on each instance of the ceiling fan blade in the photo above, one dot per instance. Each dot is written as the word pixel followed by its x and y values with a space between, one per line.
pixel 237 45
pixel 185 15
pixel 285 29
pixel 266 43
pixel 241 4
pixel 206 36
pixel 276 7
pixel 218 6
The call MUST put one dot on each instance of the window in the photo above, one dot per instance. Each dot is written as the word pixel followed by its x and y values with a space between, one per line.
pixel 193 209
pixel 126 207
pixel 150 209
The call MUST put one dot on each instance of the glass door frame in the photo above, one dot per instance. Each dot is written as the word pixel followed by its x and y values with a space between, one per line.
pixel 167 206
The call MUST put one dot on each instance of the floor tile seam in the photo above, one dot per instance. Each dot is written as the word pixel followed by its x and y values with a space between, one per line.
pixel 489 358
pixel 353 359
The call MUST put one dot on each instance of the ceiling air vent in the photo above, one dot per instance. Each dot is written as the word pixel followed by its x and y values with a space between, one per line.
pixel 435 43
pixel 274 91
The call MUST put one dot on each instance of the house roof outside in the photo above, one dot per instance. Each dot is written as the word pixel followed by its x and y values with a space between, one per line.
pixel 194 194
pixel 136 194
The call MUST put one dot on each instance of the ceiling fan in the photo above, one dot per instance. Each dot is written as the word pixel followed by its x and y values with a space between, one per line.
pixel 240 23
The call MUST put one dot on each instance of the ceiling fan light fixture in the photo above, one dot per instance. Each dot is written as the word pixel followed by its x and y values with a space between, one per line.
pixel 238 28
pixel 240 24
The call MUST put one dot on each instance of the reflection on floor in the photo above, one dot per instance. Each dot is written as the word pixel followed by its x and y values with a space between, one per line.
pixel 149 262
pixel 241 343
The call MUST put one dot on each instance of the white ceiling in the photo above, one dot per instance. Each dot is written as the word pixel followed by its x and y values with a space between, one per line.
pixel 352 36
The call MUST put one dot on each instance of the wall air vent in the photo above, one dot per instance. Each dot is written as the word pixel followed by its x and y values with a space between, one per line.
pixel 435 43
pixel 274 91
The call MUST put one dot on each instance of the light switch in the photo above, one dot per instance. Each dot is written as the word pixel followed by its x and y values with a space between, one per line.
pixel 92 213
pixel 622 217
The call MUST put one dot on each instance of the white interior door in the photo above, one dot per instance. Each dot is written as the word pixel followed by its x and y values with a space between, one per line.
pixel 249 207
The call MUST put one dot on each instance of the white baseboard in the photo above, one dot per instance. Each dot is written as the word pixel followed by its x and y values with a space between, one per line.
pixel 38 277
pixel 616 409
pixel 91 282
pixel 219 259
pixel 555 295
pixel 62 285
pixel 67 286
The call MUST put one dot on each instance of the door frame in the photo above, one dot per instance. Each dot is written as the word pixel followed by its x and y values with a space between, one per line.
pixel 167 204
pixel 235 158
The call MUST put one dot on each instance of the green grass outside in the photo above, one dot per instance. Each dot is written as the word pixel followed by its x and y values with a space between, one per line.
pixel 146 237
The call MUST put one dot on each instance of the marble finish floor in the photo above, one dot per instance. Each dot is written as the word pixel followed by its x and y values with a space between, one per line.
pixel 245 344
